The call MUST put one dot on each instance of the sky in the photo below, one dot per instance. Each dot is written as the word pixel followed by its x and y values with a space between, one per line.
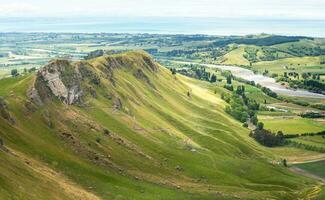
pixel 276 9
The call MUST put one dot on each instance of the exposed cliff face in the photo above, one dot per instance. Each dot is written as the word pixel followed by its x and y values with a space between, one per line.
pixel 70 82
pixel 62 79
pixel 4 113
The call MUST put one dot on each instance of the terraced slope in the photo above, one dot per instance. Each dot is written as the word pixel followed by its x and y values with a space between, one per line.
pixel 123 127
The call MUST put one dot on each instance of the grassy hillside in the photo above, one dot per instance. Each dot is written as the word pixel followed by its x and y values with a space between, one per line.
pixel 315 168
pixel 138 132
pixel 235 57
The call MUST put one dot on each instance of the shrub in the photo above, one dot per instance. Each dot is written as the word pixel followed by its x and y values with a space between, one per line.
pixel 14 72
pixel 260 125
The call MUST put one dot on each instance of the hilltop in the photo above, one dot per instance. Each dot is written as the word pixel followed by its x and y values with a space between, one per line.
pixel 123 127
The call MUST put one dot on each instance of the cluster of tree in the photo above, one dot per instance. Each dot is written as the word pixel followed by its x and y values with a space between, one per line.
pixel 173 71
pixel 309 81
pixel 213 78
pixel 252 83
pixel 241 107
pixel 267 138
pixel 308 84
pixel 237 108
pixel 295 75
pixel 313 134
pixel 199 72
pixel 251 54
pixel 270 139
pixel 30 70
pixel 318 106
pixel 269 54
pixel 265 90
pixel 314 86
pixel 300 50
pixel 305 146
pixel 264 41
pixel 14 72
pixel 268 92
pixel 312 115
pixel 94 54
pixel 229 87
pixel 322 133
pixel 180 52
pixel 298 102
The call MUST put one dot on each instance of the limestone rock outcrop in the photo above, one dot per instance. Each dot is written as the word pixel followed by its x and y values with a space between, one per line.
pixel 62 79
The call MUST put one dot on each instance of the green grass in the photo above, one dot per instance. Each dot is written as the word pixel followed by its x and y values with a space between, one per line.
pixel 235 57
pixel 292 125
pixel 316 168
pixel 317 141
pixel 163 143
pixel 300 64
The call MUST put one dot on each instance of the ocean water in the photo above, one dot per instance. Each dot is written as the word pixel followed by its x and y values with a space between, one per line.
pixel 166 25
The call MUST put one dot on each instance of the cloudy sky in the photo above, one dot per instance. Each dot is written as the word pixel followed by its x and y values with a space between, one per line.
pixel 295 9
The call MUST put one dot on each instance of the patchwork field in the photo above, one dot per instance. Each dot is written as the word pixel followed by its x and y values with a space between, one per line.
pixel 292 125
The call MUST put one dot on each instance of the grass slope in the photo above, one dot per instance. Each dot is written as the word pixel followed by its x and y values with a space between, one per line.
pixel 159 143
pixel 316 168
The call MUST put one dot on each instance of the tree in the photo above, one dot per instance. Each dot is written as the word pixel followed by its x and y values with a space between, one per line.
pixel 229 87
pixel 188 94
pixel 285 162
pixel 229 79
pixel 254 120
pixel 173 70
pixel 32 70
pixel 304 75
pixel 213 78
pixel 14 72
pixel 240 90
pixel 314 76
pixel 260 125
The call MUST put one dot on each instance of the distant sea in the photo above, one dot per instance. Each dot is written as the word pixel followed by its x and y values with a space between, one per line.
pixel 165 25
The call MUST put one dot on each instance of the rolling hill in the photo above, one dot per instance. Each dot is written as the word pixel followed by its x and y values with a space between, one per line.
pixel 123 127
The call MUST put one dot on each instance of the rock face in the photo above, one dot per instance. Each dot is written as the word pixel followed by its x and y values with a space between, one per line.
pixel 33 94
pixel 63 80
pixel 4 113
pixel 72 82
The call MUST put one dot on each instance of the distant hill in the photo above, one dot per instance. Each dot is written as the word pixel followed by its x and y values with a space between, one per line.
pixel 262 41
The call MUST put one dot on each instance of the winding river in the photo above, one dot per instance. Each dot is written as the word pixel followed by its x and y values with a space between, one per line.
pixel 265 81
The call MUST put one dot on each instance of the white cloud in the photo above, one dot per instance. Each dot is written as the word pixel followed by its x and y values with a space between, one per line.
pixel 18 9
pixel 191 8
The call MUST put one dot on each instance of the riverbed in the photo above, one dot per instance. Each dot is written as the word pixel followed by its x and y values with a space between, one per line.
pixel 265 81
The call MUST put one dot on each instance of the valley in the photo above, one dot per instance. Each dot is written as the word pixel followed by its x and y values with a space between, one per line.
pixel 139 116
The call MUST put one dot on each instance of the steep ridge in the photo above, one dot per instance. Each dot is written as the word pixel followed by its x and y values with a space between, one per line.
pixel 123 127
